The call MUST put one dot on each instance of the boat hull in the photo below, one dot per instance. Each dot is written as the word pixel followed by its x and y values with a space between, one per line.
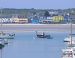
pixel 1 46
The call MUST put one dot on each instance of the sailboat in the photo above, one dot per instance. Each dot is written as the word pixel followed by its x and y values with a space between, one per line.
pixel 5 36
pixel 69 51
pixel 68 40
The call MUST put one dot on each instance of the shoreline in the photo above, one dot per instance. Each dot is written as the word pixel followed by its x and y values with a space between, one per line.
pixel 36 27
pixel 37 24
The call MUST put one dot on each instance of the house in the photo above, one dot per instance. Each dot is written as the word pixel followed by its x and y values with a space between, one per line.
pixel 58 19
pixel 72 17
pixel 35 20
pixel 47 20
pixel 19 20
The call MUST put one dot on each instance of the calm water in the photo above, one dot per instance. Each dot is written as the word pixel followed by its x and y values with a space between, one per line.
pixel 26 45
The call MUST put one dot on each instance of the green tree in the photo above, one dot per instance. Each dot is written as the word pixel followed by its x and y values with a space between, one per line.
pixel 46 14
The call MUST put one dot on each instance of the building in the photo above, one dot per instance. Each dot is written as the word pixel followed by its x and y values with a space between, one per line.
pixel 35 20
pixel 5 20
pixel 72 17
pixel 47 20
pixel 58 19
pixel 19 20
pixel 23 20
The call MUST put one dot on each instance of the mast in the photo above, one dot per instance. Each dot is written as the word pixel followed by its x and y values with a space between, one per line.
pixel 1 19
pixel 71 36
pixel 71 32
pixel 70 28
pixel 71 44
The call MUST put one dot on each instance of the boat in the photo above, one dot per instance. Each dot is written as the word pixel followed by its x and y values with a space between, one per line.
pixel 2 44
pixel 7 35
pixel 41 34
pixel 69 51
pixel 68 40
pixel 11 36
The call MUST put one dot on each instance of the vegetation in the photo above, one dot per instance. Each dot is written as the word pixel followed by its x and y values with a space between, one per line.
pixel 30 12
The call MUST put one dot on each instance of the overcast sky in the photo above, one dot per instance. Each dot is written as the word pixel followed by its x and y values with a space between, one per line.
pixel 51 4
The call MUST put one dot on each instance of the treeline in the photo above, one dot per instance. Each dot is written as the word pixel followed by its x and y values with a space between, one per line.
pixel 31 12
pixel 26 12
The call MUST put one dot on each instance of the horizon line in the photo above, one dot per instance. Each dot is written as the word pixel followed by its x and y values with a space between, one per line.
pixel 37 8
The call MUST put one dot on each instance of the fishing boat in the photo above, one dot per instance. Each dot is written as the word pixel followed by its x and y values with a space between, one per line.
pixel 41 34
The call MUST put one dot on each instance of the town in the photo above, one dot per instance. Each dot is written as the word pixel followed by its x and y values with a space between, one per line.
pixel 37 16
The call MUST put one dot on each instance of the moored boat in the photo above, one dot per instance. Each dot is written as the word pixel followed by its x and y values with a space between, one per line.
pixel 7 35
pixel 70 41
pixel 1 43
pixel 68 52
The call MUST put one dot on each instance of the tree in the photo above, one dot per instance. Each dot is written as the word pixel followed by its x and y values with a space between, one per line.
pixel 46 14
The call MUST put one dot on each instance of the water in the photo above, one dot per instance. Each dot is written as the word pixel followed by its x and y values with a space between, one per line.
pixel 26 45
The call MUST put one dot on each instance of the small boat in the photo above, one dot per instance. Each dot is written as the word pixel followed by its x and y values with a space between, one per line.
pixel 41 34
pixel 68 52
pixel 68 39
pixel 2 44
pixel 4 39
pixel 11 36
pixel 7 35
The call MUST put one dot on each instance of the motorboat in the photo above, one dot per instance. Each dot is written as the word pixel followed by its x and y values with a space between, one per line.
pixel 7 35
pixel 41 34
pixel 2 44
pixel 68 52
pixel 70 40
pixel 11 36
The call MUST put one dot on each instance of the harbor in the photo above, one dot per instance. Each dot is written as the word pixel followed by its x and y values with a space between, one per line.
pixel 25 44
pixel 37 29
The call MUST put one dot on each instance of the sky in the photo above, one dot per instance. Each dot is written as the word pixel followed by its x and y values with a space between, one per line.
pixel 38 4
